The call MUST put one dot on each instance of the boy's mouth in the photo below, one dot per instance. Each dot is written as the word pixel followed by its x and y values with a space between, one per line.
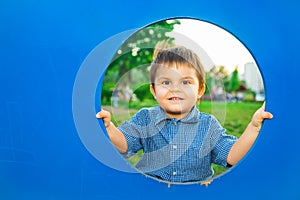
pixel 175 99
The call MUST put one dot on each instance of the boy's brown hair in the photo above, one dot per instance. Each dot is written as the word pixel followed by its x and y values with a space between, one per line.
pixel 179 56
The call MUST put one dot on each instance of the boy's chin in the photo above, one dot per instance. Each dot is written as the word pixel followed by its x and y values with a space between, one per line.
pixel 175 113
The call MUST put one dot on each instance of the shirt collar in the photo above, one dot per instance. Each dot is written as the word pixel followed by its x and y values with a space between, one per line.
pixel 159 116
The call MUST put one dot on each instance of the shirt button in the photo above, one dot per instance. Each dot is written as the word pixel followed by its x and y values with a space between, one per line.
pixel 175 123
pixel 174 147
pixel 174 173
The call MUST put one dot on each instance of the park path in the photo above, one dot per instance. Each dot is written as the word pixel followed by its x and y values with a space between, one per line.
pixel 119 110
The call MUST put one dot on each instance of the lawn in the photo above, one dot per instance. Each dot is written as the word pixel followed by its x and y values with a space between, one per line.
pixel 234 117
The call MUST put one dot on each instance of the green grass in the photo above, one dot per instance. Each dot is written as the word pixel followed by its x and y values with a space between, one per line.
pixel 234 117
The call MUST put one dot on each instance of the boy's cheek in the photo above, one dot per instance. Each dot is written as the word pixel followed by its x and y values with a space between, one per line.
pixel 161 91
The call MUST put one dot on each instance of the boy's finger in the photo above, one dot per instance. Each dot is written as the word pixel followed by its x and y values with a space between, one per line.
pixel 268 115
pixel 99 115
pixel 102 114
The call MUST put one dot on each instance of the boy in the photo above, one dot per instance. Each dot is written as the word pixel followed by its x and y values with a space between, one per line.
pixel 179 142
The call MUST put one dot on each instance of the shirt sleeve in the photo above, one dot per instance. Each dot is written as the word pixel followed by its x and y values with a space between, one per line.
pixel 133 131
pixel 221 143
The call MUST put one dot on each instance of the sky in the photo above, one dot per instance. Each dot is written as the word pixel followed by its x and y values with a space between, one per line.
pixel 214 45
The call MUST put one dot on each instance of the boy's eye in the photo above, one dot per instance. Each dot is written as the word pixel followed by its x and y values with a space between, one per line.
pixel 166 82
pixel 185 82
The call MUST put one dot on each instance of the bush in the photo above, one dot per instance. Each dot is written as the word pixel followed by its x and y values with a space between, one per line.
pixel 249 95
pixel 107 91
pixel 143 92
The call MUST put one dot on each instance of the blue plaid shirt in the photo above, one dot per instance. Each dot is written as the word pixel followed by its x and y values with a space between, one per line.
pixel 177 150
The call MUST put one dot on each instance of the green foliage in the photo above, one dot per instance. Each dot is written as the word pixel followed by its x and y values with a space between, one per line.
pixel 234 84
pixel 137 51
pixel 217 75
pixel 107 90
pixel 249 95
pixel 137 105
pixel 143 92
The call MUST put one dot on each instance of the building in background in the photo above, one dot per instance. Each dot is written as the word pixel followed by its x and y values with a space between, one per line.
pixel 254 80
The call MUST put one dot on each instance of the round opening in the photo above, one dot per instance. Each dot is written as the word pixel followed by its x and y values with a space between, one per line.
pixel 186 146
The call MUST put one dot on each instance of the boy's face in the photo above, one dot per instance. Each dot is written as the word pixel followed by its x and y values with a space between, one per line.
pixel 176 89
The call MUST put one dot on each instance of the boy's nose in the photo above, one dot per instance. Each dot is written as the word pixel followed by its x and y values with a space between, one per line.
pixel 175 87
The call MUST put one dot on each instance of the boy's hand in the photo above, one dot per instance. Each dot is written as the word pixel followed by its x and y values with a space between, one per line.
pixel 259 116
pixel 105 115
pixel 116 136
pixel 246 140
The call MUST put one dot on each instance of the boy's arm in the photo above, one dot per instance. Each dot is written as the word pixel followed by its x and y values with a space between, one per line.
pixel 245 142
pixel 115 135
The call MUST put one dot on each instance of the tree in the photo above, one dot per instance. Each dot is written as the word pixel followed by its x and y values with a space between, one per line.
pixel 234 83
pixel 216 76
pixel 138 50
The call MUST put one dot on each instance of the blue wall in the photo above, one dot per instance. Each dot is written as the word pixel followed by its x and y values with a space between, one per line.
pixel 44 43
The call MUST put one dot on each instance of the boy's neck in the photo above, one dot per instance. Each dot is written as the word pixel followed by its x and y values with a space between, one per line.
pixel 177 115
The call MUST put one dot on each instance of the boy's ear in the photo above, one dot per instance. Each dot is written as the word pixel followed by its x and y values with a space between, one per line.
pixel 201 90
pixel 152 90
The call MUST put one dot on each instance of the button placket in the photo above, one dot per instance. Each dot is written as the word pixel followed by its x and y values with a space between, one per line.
pixel 173 145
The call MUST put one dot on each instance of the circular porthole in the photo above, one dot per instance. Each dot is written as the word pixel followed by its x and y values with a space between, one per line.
pixel 172 151
pixel 180 92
